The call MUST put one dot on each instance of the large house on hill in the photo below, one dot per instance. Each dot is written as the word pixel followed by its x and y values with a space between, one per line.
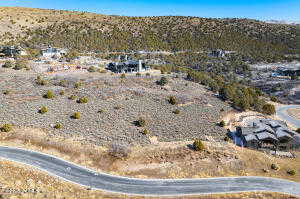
pixel 267 133
pixel 128 66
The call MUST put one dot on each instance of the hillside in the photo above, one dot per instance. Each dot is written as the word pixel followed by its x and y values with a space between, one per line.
pixel 94 32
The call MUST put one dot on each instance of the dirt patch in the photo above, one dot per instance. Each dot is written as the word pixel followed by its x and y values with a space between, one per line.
pixel 295 113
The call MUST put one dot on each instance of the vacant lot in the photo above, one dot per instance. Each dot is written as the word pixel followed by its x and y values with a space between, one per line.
pixel 113 106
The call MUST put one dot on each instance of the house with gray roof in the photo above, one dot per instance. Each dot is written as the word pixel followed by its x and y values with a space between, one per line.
pixel 267 133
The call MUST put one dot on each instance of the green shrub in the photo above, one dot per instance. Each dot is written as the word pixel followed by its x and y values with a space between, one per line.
pixel 102 70
pixel 147 74
pixel 198 145
pixel 6 128
pixel 43 110
pixel 294 77
pixel 145 132
pixel 72 97
pixel 141 122
pixel 269 109
pixel 291 172
pixel 172 100
pixel 274 99
pixel 20 64
pixel 57 126
pixel 6 92
pixel 49 95
pixel 61 92
pixel 222 123
pixel 118 107
pixel 76 115
pixel 77 85
pixel 163 81
pixel 123 76
pixel 62 83
pixel 138 74
pixel 92 69
pixel 40 81
pixel 101 111
pixel 8 64
pixel 82 100
pixel 176 112
pixel 275 167
pixel 226 139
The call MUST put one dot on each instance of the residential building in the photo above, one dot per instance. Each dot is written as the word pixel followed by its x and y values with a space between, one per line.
pixel 128 66
pixel 51 52
pixel 267 133
pixel 11 51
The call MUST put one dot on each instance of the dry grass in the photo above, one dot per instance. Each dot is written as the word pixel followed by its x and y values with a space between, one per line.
pixel 70 149
pixel 160 160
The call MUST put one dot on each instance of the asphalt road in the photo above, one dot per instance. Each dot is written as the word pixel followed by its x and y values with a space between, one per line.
pixel 156 187
pixel 281 112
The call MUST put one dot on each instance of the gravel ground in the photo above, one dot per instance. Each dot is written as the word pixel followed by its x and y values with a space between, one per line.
pixel 123 103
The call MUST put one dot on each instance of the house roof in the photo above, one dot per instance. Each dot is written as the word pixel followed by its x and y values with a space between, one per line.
pixel 263 128
pixel 281 133
pixel 247 130
pixel 265 135
pixel 290 132
pixel 274 124
pixel 250 137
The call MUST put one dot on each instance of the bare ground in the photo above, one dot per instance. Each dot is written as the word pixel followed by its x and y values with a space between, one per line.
pixel 294 113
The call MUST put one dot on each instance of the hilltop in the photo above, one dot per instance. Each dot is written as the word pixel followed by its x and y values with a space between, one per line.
pixel 94 32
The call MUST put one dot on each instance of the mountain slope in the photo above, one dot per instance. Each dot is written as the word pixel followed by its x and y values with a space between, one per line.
pixel 89 31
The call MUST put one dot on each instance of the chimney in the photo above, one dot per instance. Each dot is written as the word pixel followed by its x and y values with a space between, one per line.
pixel 140 65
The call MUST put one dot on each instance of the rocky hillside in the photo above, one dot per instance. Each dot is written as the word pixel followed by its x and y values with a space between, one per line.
pixel 88 31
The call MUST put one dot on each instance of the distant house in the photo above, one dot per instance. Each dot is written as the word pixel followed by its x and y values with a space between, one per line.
pixel 217 53
pixel 11 51
pixel 289 71
pixel 268 134
pixel 127 66
pixel 51 52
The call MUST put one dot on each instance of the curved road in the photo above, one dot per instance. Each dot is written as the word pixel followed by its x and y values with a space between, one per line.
pixel 85 177
pixel 281 112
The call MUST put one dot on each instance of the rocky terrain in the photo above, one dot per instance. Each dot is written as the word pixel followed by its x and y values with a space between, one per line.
pixel 113 106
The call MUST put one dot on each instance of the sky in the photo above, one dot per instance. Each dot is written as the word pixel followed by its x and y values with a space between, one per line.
pixel 254 9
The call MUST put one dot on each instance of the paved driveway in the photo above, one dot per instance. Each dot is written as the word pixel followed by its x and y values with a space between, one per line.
pixel 281 112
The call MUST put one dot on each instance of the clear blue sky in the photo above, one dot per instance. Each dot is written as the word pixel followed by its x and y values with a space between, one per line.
pixel 255 9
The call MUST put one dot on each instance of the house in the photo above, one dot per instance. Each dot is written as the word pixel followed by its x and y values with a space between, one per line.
pixel 267 138
pixel 51 52
pixel 217 53
pixel 128 66
pixel 289 71
pixel 251 141
pixel 11 51
pixel 267 133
